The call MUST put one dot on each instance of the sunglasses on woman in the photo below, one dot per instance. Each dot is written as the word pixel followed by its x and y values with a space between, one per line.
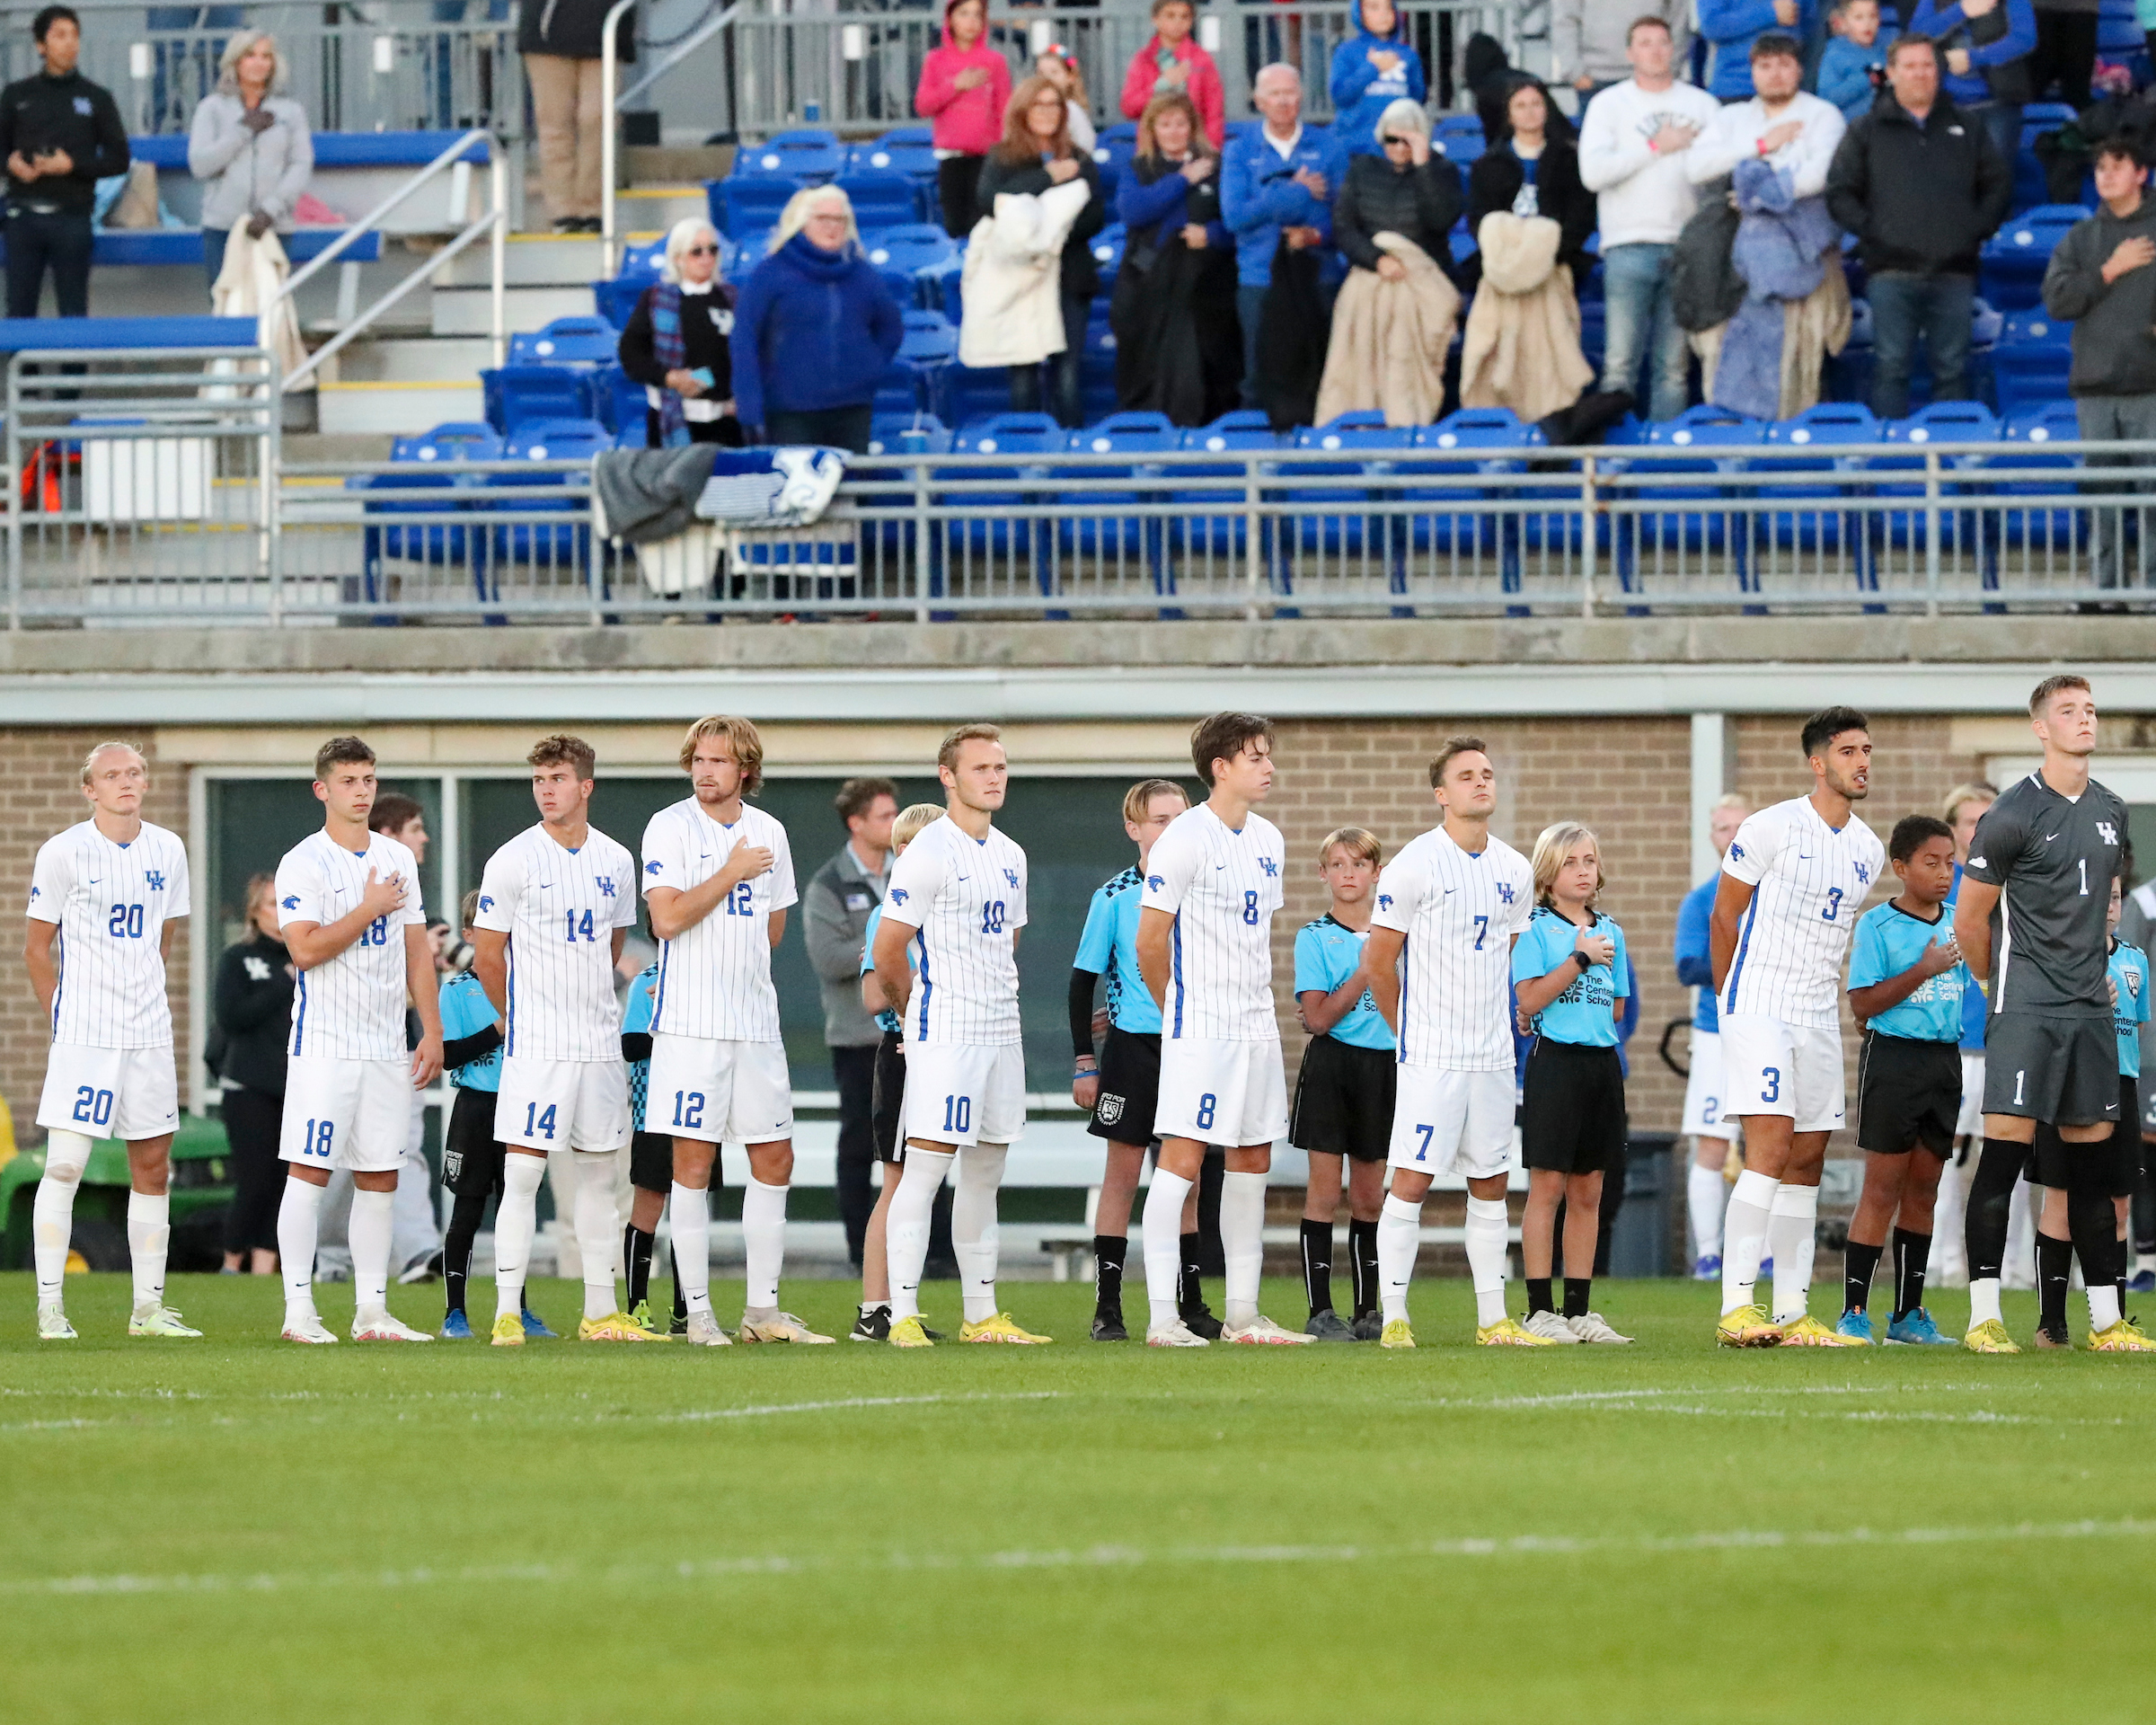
pixel 701 251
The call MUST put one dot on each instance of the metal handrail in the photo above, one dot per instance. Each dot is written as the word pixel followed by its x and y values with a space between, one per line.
pixel 609 257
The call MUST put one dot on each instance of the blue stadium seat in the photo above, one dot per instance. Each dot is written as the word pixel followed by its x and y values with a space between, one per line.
pixel 2013 260
pixel 1452 127
pixel 526 543
pixel 619 403
pixel 987 529
pixel 1961 530
pixel 518 395
pixel 912 382
pixel 1690 453
pixel 434 457
pixel 744 206
pixel 1462 148
pixel 2031 363
pixel 738 255
pixel 1088 535
pixel 908 434
pixel 1819 526
pixel 1222 529
pixel 882 198
pixel 810 153
pixel 567 341
pixel 2031 188
pixel 1359 443
pixel 1108 257
pixel 1113 149
pixel 909 150
pixel 974 392
pixel 918 262
pixel 1472 442
pixel 2059 530
pixel 616 299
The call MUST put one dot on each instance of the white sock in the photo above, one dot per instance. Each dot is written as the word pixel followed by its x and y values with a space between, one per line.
pixel 1745 1235
pixel 974 1238
pixel 689 1213
pixel 906 1227
pixel 763 1234
pixel 1705 1193
pixel 1487 1228
pixel 1983 1300
pixel 373 1221
pixel 52 1210
pixel 2103 1306
pixel 1398 1241
pixel 299 1227
pixel 516 1221
pixel 1242 1244
pixel 1793 1237
pixel 598 1229
pixel 1163 1229
pixel 149 1235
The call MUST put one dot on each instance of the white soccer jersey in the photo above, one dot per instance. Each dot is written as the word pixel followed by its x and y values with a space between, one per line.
pixel 560 908
pixel 111 902
pixel 968 898
pixel 714 979
pixel 1458 911
pixel 1222 886
pixel 351 1008
pixel 1811 882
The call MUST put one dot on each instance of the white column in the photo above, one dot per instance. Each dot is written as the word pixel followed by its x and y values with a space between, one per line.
pixel 1710 778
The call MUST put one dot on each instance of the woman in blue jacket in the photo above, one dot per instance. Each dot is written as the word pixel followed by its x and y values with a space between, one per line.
pixel 1371 70
pixel 1983 68
pixel 814 330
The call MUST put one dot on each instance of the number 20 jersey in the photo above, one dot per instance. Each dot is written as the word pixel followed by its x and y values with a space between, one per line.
pixel 111 902
pixel 968 898
pixel 715 978
pixel 1810 881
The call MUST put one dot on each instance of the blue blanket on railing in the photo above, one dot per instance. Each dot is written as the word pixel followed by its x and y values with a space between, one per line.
pixel 653 494
pixel 1780 248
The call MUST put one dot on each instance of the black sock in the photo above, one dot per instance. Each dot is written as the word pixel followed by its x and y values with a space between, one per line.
pixel 1859 1264
pixel 636 1258
pixel 1991 1205
pixel 1538 1295
pixel 1361 1252
pixel 464 1218
pixel 1578 1296
pixel 1912 1255
pixel 1317 1265
pixel 2054 1268
pixel 1189 1288
pixel 681 1302
pixel 1107 1271
pixel 2092 1221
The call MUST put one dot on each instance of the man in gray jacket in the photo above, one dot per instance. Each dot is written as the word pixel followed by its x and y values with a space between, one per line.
pixel 2102 279
pixel 834 915
pixel 1588 41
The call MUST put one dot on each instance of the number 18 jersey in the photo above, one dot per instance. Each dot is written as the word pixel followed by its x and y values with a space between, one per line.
pixel 967 897
pixel 560 908
pixel 1811 881
pixel 351 1008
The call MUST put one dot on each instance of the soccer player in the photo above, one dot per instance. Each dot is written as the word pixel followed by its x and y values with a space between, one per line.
pixel 1708 1187
pixel 719 877
pixel 1570 977
pixel 555 905
pixel 1343 1109
pixel 1793 880
pixel 1905 983
pixel 349 907
pixel 650 1163
pixel 956 899
pixel 2032 917
pixel 1121 1088
pixel 105 896
pixel 1451 905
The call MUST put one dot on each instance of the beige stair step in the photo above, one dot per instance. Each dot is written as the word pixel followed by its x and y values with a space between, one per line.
pixel 415 359
pixel 468 311
pixel 529 260
pixel 397 409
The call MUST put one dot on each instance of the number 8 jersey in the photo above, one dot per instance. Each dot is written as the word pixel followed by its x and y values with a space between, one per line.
pixel 1811 882
pixel 967 897
pixel 351 1008
pixel 111 902
pixel 1222 886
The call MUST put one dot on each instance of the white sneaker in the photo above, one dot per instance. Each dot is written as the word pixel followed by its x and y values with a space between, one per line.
pixel 306 1326
pixel 704 1332
pixel 1263 1333
pixel 381 1326
pixel 157 1319
pixel 53 1325
pixel 785 1327
pixel 1594 1327
pixel 1175 1333
pixel 1549 1327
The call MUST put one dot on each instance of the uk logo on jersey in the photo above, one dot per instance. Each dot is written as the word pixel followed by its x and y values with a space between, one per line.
pixel 898 895
pixel 650 868
pixel 485 903
pixel 1505 892
pixel 1012 876
pixel 293 902
pixel 606 887
pixel 155 879
pixel 2109 832
pixel 1863 873
pixel 1269 865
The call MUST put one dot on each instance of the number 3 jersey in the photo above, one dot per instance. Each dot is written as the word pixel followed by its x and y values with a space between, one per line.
pixel 714 979
pixel 560 908
pixel 111 902
pixel 1810 882
pixel 967 895
pixel 1458 911
pixel 1222 886
pixel 351 1008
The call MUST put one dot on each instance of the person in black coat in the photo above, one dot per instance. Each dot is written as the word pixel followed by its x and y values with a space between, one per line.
pixel 678 344
pixel 252 1001
pixel 561 42
pixel 1532 168
pixel 1409 189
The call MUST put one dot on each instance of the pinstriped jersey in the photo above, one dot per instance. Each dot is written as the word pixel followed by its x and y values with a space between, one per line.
pixel 1810 881
pixel 714 979
pixel 110 902
pixel 967 895
pixel 1458 911
pixel 351 1008
pixel 1222 885
pixel 560 908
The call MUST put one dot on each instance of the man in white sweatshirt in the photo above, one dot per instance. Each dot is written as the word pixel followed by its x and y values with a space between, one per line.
pixel 1632 148
pixel 1781 124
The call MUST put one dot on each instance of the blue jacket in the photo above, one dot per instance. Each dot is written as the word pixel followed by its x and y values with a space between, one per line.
pixel 1162 209
pixel 1732 26
pixel 1845 72
pixel 1258 196
pixel 1360 93
pixel 1938 22
pixel 805 323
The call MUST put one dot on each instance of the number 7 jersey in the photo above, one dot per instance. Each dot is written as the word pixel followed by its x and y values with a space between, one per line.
pixel 1458 912
pixel 1810 881
pixel 967 897
pixel 560 908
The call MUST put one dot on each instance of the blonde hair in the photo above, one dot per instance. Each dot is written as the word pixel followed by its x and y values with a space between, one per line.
pixel 912 821
pixel 1557 843
pixel 1173 101
pixel 1137 801
pixel 678 239
pixel 1734 800
pixel 947 755
pixel 794 218
pixel 1360 841
pixel 1974 790
pixel 244 42
pixel 741 734
pixel 1076 95
pixel 90 760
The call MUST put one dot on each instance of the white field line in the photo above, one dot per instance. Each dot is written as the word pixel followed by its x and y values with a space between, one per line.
pixel 761 1410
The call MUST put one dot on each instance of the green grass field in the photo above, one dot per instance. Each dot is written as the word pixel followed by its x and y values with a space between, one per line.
pixel 237 1529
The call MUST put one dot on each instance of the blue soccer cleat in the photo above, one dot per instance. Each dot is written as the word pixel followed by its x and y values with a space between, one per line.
pixel 534 1326
pixel 1708 1269
pixel 2145 1282
pixel 1917 1330
pixel 1855 1328
pixel 456 1327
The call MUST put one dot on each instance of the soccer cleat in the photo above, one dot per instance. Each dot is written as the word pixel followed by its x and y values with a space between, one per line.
pixel 307 1327
pixel 1550 1328
pixel 507 1332
pixel 1398 1333
pixel 2122 1338
pixel 1201 1323
pixel 1261 1331
pixel 1109 1326
pixel 456 1327
pixel 384 1326
pixel 1370 1326
pixel 2050 1338
pixel 534 1327
pixel 1855 1328
pixel 1916 1330
pixel 703 1332
pixel 873 1325
pixel 1748 1326
pixel 616 1326
pixel 1593 1327
pixel 157 1319
pixel 1327 1326
pixel 1509 1332
pixel 1707 1268
pixel 1805 1331
pixel 53 1325
pixel 1001 1328
pixel 641 1318
pixel 1990 1336
pixel 2142 1281
pixel 1177 1333
pixel 785 1327
pixel 910 1332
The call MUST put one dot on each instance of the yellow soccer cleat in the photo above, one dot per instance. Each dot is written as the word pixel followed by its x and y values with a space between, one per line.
pixel 1807 1331
pixel 1990 1336
pixel 785 1327
pixel 1748 1326
pixel 910 1332
pixel 1398 1333
pixel 640 1316
pixel 2121 1337
pixel 1000 1327
pixel 508 1331
pixel 1509 1333
pixel 159 1320
pixel 616 1326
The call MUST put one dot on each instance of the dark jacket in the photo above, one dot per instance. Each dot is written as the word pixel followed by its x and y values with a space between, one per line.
pixel 69 113
pixel 813 329
pixel 571 29
pixel 707 321
pixel 1081 274
pixel 2114 346
pixel 1178 346
pixel 1704 287
pixel 1156 203
pixel 1497 175
pixel 252 1001
pixel 835 919
pixel 1920 198
pixel 1418 204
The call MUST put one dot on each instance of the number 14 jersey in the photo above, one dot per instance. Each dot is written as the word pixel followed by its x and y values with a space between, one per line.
pixel 560 908
pixel 1811 881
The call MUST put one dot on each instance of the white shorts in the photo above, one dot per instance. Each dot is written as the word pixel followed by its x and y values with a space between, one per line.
pixel 1969 1124
pixel 130 1093
pixel 714 1092
pixel 354 1114
pixel 1703 1089
pixel 961 1092
pixel 562 1104
pixel 1794 1070
pixel 1454 1122
pixel 1233 1094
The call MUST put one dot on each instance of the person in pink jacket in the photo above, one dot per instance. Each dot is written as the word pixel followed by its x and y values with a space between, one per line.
pixel 965 88
pixel 1171 60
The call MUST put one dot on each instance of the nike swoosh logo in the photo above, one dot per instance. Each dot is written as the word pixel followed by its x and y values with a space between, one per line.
pixel 2049 836
pixel 95 880
pixel 546 886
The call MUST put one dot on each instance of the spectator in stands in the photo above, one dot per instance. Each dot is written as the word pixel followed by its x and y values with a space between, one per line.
pixel 809 318
pixel 1371 70
pixel 964 88
pixel 1587 40
pixel 1173 60
pixel 1060 67
pixel 1037 153
pixel 1276 193
pixel 252 999
pixel 60 135
pixel 2065 51
pixel 1631 150
pixel 562 44
pixel 1531 167
pixel 1730 27
pixel 1986 45
pixel 1922 189
pixel 1407 189
pixel 1857 51
pixel 1173 312
pixel 677 344
pixel 249 148
pixel 2102 279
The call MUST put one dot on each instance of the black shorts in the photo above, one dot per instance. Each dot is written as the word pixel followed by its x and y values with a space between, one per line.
pixel 2063 1070
pixel 887 1104
pixel 1908 1093
pixel 1130 1087
pixel 471 1158
pixel 1572 1108
pixel 2112 1167
pixel 651 1163
pixel 1344 1100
